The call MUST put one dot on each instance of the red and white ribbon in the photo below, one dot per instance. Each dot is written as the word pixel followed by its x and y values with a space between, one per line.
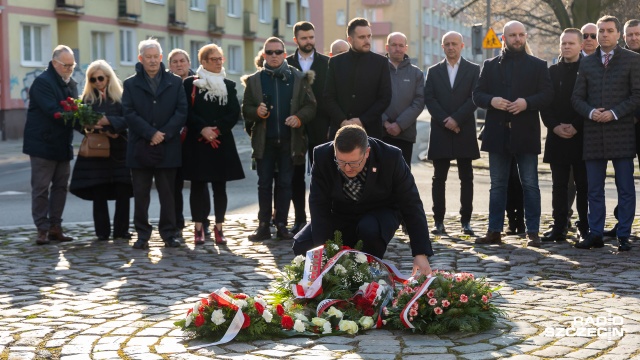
pixel 236 324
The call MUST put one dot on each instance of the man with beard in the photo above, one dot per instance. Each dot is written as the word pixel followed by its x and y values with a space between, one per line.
pixel 306 58
pixel 563 146
pixel 607 93
pixel 513 87
pixel 358 88
pixel 589 35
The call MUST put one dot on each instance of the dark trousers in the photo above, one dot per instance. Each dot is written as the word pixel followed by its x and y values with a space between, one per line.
pixel 165 181
pixel 277 155
pixel 560 176
pixel 375 229
pixel 179 185
pixel 201 205
pixel 49 183
pixel 596 174
pixel 405 146
pixel 515 199
pixel 101 218
pixel 298 193
pixel 438 188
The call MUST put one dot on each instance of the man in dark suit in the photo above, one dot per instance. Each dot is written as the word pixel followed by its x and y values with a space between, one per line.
pixel 304 59
pixel 513 87
pixel 358 88
pixel 363 188
pixel 448 91
pixel 155 108
pixel 606 93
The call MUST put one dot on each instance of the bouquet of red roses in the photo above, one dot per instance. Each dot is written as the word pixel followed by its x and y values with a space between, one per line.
pixel 76 112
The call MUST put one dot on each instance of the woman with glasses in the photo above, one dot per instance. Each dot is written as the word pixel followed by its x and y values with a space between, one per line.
pixel 209 152
pixel 103 179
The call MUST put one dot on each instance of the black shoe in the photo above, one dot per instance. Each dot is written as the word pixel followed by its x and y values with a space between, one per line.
pixel 207 232
pixel 591 241
pixel 555 235
pixel 623 244
pixel 516 228
pixel 298 226
pixel 438 229
pixel 282 233
pixel 263 232
pixel 467 230
pixel 172 243
pixel 125 236
pixel 103 238
pixel 583 232
pixel 547 233
pixel 611 233
pixel 141 244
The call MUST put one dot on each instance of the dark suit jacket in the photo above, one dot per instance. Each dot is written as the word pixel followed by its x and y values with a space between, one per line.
pixel 389 184
pixel 358 86
pixel 530 81
pixel 318 128
pixel 443 101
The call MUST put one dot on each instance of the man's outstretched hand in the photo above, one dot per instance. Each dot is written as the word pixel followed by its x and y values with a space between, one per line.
pixel 421 265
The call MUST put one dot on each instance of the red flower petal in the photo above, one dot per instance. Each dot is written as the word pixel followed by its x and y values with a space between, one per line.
pixel 199 320
pixel 259 308
pixel 247 321
pixel 280 309
pixel 287 322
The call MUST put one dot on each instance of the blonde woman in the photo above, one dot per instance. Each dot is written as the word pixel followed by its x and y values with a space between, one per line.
pixel 103 179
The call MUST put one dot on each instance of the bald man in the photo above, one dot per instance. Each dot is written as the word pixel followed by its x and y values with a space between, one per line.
pixel 338 47
pixel 513 87
pixel 589 35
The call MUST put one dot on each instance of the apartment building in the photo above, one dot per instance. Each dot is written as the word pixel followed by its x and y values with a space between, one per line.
pixel 111 30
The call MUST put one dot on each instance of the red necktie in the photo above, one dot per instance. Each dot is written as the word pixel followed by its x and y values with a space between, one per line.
pixel 606 60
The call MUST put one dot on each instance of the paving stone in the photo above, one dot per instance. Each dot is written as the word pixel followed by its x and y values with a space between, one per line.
pixel 473 348
pixel 582 354
pixel 553 351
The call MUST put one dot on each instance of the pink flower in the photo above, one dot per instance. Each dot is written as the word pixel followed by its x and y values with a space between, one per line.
pixel 415 305
pixel 458 278
pixel 464 298
pixel 394 303
pixel 446 303
pixel 437 310
pixel 433 301
pixel 385 311
pixel 408 290
pixel 430 293
pixel 485 299
pixel 413 312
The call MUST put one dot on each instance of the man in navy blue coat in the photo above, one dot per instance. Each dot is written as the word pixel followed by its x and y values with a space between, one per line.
pixel 47 141
pixel 155 108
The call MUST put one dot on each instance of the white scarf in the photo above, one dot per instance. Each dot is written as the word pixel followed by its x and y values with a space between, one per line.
pixel 213 84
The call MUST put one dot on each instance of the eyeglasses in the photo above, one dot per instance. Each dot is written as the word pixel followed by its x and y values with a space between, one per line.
pixel 271 52
pixel 66 66
pixel 586 36
pixel 216 59
pixel 99 78
pixel 352 164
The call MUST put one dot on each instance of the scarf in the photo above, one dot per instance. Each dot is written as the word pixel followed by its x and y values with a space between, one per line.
pixel 281 71
pixel 213 84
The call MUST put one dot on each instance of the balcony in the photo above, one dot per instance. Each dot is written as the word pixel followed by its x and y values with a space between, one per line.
pixel 382 28
pixel 376 2
pixel 69 7
pixel 217 18
pixel 178 14
pixel 129 12
pixel 250 23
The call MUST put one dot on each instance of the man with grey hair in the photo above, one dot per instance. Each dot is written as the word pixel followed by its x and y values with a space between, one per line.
pixel 338 47
pixel 589 35
pixel 447 94
pixel 155 108
pixel 47 141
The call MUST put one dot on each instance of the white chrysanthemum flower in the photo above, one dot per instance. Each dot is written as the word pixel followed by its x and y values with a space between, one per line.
pixel 302 317
pixel 187 320
pixel 339 270
pixel 334 247
pixel 217 317
pixel 298 260
pixel 267 316
pixel 260 300
pixel 299 326
pixel 326 328
pixel 361 258
pixel 240 303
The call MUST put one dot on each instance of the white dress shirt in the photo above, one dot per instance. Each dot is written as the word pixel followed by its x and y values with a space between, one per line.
pixel 305 64
pixel 453 71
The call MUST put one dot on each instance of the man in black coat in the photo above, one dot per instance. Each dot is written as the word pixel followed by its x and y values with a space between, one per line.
pixel 358 88
pixel 563 147
pixel 607 93
pixel 447 94
pixel 363 188
pixel 155 108
pixel 513 87
pixel 47 141
pixel 305 59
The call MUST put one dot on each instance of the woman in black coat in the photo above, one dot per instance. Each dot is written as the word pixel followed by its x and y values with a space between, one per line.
pixel 103 179
pixel 209 150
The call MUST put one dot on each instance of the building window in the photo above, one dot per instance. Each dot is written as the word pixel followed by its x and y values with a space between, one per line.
pixel 305 13
pixel 199 5
pixel 160 2
pixel 127 47
pixel 292 14
pixel 193 53
pixel 234 8
pixel 264 11
pixel 35 44
pixel 234 59
pixel 161 40
pixel 102 46
pixel 175 42
pixel 341 19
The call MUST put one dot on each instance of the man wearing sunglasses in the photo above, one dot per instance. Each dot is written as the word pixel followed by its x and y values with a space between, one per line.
pixel 589 39
pixel 278 101
pixel 363 188
pixel 47 141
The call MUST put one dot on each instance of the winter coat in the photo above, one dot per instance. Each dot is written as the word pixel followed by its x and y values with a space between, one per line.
pixel 45 136
pixel 303 105
pixel 146 113
pixel 91 172
pixel 443 101
pixel 407 99
pixel 200 161
pixel 616 88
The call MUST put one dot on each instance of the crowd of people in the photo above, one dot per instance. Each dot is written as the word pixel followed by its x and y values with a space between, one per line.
pixel 350 118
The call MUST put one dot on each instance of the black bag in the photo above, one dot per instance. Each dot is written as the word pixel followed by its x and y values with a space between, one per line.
pixel 147 155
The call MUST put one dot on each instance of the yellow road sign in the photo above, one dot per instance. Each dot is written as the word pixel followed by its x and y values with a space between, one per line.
pixel 491 40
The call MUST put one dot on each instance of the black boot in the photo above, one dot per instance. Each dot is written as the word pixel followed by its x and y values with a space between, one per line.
pixel 555 235
pixel 263 232
pixel 611 233
pixel 623 244
pixel 282 233
pixel 591 241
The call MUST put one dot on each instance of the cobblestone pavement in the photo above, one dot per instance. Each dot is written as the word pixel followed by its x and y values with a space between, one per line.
pixel 104 300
